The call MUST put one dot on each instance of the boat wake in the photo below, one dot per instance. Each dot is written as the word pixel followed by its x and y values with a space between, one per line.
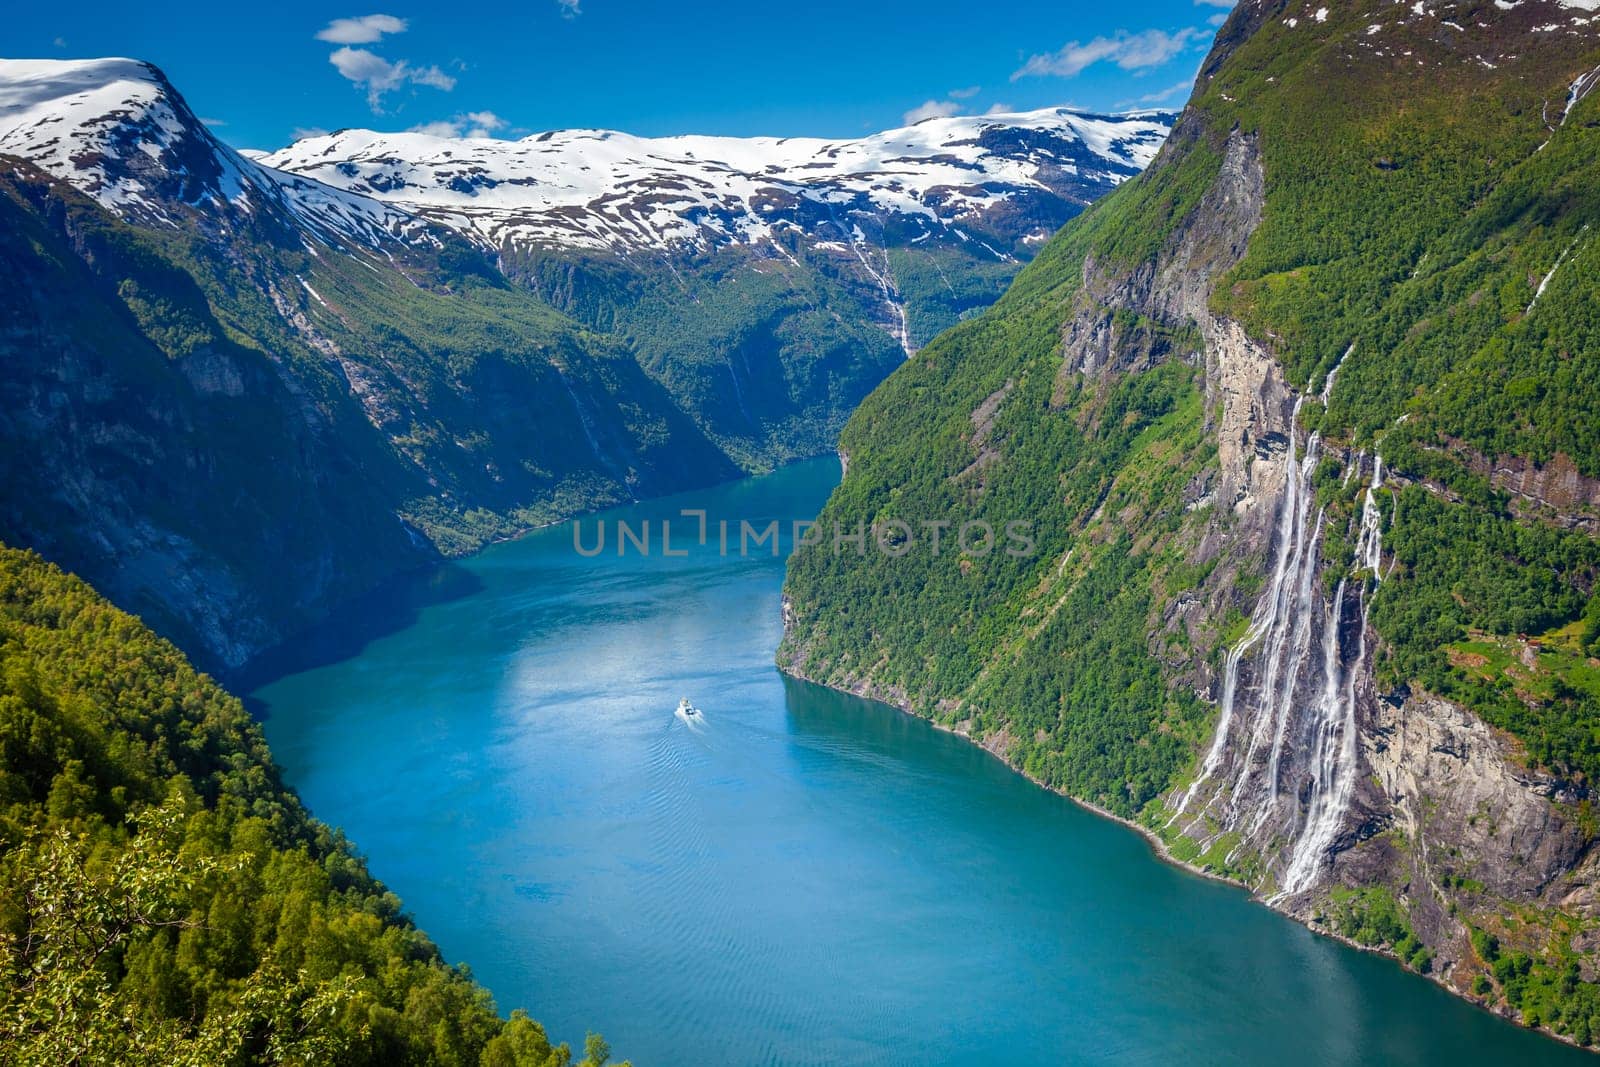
pixel 690 715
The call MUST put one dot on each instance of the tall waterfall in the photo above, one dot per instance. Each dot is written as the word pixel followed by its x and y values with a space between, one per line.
pixel 1285 759
pixel 1334 758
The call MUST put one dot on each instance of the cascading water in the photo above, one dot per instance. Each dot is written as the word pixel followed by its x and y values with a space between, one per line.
pixel 1263 620
pixel 1290 690
pixel 1334 758
pixel 1369 547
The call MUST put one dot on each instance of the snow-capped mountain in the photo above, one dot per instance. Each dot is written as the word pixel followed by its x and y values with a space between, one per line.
pixel 116 130
pixel 600 189
pixel 407 345
pixel 918 226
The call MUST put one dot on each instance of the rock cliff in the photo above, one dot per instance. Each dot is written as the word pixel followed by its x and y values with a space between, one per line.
pixel 1284 614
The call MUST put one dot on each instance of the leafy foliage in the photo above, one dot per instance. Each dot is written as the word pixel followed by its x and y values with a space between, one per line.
pixel 1044 646
pixel 1372 916
pixel 1545 991
pixel 1469 569
pixel 165 899
pixel 1416 201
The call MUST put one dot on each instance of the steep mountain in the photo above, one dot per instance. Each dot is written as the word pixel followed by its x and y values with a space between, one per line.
pixel 739 267
pixel 235 396
pixel 165 899
pixel 1002 176
pixel 1299 433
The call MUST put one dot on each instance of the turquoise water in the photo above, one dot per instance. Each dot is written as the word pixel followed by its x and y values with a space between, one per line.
pixel 804 878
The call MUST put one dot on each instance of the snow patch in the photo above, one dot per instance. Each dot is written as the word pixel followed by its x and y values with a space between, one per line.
pixel 603 189
pixel 116 131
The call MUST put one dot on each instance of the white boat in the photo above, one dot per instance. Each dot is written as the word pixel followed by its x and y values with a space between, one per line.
pixel 687 711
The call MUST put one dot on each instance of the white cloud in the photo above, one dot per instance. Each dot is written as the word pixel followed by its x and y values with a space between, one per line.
pixel 569 8
pixel 999 109
pixel 1217 20
pixel 441 128
pixel 466 124
pixel 1161 96
pixel 362 30
pixel 300 133
pixel 484 118
pixel 1215 3
pixel 1130 51
pixel 61 42
pixel 931 109
pixel 378 76
pixel 214 122
pixel 965 94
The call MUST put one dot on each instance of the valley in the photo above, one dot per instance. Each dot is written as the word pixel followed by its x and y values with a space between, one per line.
pixel 1279 411
pixel 494 334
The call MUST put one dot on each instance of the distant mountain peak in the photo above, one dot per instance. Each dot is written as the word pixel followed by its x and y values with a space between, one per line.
pixel 116 130
pixel 608 190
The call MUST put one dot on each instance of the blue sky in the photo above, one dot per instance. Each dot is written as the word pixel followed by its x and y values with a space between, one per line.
pixel 263 72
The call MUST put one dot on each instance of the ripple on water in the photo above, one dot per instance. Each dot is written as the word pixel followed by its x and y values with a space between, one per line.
pixel 809 878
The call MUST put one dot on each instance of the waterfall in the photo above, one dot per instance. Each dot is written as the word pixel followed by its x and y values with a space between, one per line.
pixel 1562 258
pixel 1579 90
pixel 1262 620
pixel 1369 547
pixel 1327 383
pixel 584 422
pixel 1289 696
pixel 1288 638
pixel 1334 759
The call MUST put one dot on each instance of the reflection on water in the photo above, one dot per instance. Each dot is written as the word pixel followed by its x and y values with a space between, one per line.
pixel 802 877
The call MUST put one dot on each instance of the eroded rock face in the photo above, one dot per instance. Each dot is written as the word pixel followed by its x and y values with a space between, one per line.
pixel 1451 784
pixel 1463 832
pixel 1554 492
pixel 1175 288
pixel 1330 783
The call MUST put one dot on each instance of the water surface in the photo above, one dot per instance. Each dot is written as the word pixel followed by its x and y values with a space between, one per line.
pixel 805 878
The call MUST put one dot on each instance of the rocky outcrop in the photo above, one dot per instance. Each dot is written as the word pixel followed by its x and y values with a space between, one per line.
pixel 190 423
pixel 1555 491
pixel 1452 785
pixel 1466 836
pixel 1396 819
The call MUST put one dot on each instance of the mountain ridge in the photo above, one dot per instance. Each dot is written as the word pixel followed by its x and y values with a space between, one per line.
pixel 138 150
pixel 655 193
pixel 1265 406
pixel 416 391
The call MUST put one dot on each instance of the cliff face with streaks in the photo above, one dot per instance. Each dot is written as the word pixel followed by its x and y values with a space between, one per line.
pixel 1282 612
pixel 240 392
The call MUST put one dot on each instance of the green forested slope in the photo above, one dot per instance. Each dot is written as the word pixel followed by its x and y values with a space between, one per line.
pixel 230 430
pixel 164 899
pixel 1422 214
pixel 1410 212
pixel 768 356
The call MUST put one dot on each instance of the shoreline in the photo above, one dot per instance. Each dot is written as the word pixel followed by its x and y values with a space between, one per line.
pixel 258 668
pixel 1158 846
pixel 1160 850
